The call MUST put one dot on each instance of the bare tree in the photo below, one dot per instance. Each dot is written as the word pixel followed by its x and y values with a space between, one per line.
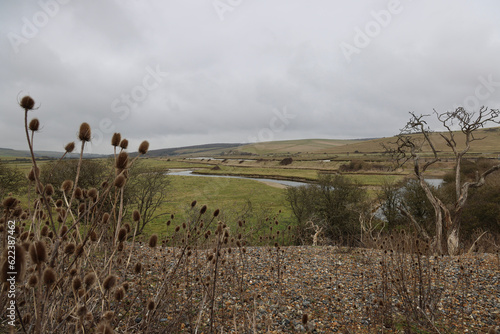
pixel 409 145
pixel 148 192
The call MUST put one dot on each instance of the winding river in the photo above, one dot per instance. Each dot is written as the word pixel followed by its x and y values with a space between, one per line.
pixel 282 182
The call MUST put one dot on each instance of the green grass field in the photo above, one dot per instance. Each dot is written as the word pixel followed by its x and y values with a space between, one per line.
pixel 237 199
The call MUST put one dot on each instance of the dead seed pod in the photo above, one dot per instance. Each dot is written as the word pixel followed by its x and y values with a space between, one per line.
pixel 153 240
pixel 67 186
pixel 34 125
pixel 27 103
pixel 121 162
pixel 38 252
pixel 69 249
pixel 120 181
pixel 69 147
pixel 109 282
pixel 115 140
pixel 122 234
pixel 124 144
pixel 49 276
pixel 136 215
pixel 143 148
pixel 89 280
pixel 85 133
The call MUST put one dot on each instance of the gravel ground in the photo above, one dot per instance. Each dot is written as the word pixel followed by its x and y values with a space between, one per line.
pixel 342 291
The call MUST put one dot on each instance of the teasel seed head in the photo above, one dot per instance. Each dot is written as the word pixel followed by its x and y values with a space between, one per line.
pixel 44 231
pixel 63 230
pixel 33 281
pixel 104 328
pixel 122 234
pixel 93 193
pixel 38 252
pixel 31 174
pixel 120 248
pixel 81 208
pixel 193 204
pixel 85 133
pixel 203 209
pixel 109 282
pixel 143 148
pixel 76 284
pixel 66 186
pixel 27 103
pixel 153 240
pixel 24 236
pixel 108 315
pixel 49 189
pixel 120 181
pixel 151 305
pixel 216 212
pixel 49 276
pixel 127 227
pixel 93 236
pixel 121 162
pixel 137 268
pixel 82 311
pixel 89 280
pixel 105 218
pixel 9 203
pixel 115 140
pixel 70 147
pixel 59 203
pixel 119 293
pixel 305 318
pixel 34 124
pixel 124 144
pixel 69 248
pixel 136 216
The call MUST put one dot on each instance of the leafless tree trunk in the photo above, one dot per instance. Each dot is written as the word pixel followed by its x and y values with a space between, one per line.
pixel 409 145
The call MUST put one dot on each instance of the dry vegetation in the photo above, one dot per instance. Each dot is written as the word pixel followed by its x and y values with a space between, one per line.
pixel 79 269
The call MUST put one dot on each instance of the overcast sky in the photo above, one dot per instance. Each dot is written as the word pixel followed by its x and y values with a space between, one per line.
pixel 190 72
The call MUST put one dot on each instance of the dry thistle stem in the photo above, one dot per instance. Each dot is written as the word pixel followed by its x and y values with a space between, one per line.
pixel 85 133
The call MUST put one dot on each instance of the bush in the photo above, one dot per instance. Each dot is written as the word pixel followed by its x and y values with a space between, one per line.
pixel 286 161
pixel 334 203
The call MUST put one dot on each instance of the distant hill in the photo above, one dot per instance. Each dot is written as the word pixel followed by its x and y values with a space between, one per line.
pixel 7 152
pixel 489 144
pixel 196 150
